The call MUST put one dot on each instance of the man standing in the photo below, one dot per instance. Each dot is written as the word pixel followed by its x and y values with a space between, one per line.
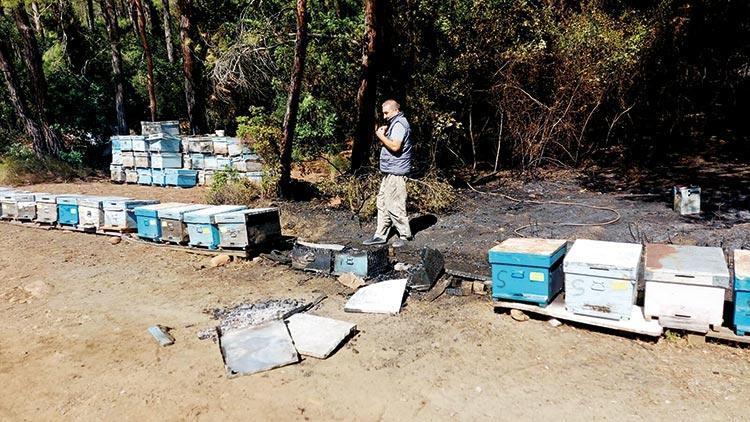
pixel 395 164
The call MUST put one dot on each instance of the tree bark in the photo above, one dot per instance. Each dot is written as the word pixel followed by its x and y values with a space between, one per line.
pixel 69 34
pixel 191 67
pixel 367 89
pixel 141 18
pixel 90 21
pixel 37 19
pixel 292 105
pixel 109 13
pixel 167 17
pixel 29 50
pixel 152 19
pixel 11 83
pixel 49 143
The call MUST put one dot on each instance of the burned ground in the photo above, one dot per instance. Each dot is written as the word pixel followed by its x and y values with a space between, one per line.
pixel 76 309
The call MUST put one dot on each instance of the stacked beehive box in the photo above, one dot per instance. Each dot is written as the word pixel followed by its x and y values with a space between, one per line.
pixel 160 157
pixel 206 154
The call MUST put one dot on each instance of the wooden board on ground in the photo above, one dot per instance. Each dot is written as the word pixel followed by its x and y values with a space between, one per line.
pixel 237 253
pixel 77 229
pixel 726 334
pixel 636 324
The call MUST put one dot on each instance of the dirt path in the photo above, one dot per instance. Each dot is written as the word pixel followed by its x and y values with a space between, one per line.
pixel 73 345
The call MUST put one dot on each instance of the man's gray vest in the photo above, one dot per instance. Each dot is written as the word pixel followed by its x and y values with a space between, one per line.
pixel 398 163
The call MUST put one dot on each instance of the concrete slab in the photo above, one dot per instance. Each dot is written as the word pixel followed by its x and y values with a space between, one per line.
pixel 256 349
pixel 318 336
pixel 379 298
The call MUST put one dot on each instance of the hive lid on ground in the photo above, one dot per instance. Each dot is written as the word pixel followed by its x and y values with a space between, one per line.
pixel 385 297
pixel 257 348
pixel 686 265
pixel 605 259
pixel 528 251
pixel 240 216
pixel 151 210
pixel 177 213
pixel 742 264
pixel 318 336
pixel 208 215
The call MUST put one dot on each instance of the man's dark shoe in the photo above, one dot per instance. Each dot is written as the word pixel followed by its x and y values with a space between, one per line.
pixel 400 242
pixel 375 241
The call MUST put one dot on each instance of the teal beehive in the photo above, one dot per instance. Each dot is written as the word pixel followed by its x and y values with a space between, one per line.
pixel 742 292
pixel 147 219
pixel 528 269
pixel 202 228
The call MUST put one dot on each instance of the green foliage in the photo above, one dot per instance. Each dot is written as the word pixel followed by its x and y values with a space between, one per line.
pixel 19 166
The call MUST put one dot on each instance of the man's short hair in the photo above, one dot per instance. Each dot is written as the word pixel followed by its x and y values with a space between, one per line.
pixel 392 104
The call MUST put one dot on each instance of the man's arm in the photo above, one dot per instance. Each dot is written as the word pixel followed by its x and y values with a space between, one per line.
pixel 397 137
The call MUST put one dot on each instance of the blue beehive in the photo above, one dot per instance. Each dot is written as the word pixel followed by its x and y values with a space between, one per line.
pixel 528 270
pixel 144 176
pixel 147 218
pixel 742 292
pixel 181 177
pixel 67 210
pixel 202 228
pixel 173 228
pixel 162 142
pixel 158 178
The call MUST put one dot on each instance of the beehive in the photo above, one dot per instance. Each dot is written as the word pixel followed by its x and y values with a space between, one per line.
pixel 527 269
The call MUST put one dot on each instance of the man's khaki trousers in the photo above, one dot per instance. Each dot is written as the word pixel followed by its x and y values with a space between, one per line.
pixel 392 207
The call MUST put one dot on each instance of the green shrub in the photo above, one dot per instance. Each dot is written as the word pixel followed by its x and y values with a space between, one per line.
pixel 19 166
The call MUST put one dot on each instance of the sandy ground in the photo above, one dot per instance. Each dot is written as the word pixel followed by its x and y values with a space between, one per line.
pixel 74 346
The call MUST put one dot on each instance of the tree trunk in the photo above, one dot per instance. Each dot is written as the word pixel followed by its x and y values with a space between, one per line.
pixel 152 19
pixel 37 19
pixel 292 105
pixel 133 13
pixel 69 34
pixel 167 17
pixel 90 21
pixel 367 89
pixel 11 83
pixel 141 20
pixel 109 13
pixel 192 68
pixel 29 50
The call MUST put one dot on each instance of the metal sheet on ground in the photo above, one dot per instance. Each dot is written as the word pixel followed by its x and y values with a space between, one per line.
pixel 256 349
pixel 318 336
pixel 379 298
pixel 636 324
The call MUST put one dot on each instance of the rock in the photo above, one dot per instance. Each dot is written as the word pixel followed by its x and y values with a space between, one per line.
pixel 518 315
pixel 220 260
pixel 401 266
pixel 554 322
pixel 351 281
pixel 466 288
pixel 115 240
pixel 37 288
pixel 478 288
